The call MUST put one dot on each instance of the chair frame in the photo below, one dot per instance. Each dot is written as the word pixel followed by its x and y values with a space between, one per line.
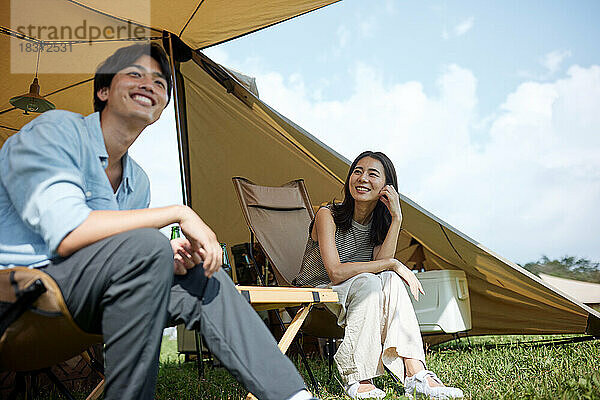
pixel 280 278
pixel 48 294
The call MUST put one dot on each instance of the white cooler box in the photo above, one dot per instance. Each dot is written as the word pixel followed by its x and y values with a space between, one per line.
pixel 445 307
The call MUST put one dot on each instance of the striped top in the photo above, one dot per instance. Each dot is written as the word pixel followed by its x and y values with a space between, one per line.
pixel 352 245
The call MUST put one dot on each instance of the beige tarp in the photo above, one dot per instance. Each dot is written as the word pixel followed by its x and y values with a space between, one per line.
pixel 235 134
pixel 110 24
pixel 231 132
pixel 203 23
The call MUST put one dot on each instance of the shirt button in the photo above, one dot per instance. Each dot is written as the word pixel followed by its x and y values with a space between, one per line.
pixel 88 194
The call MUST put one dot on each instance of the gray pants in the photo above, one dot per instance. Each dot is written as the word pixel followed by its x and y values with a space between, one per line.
pixel 124 288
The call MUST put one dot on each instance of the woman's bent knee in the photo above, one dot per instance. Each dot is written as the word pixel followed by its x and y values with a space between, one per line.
pixel 366 286
pixel 367 282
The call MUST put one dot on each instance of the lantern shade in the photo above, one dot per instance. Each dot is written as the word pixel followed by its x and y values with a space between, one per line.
pixel 32 101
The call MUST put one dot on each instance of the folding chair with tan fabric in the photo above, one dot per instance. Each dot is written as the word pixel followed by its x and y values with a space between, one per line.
pixel 36 328
pixel 279 218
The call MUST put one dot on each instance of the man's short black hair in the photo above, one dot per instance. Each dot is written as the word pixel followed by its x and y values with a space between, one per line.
pixel 123 58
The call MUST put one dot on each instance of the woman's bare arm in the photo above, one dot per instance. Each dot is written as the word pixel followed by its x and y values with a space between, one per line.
pixel 324 233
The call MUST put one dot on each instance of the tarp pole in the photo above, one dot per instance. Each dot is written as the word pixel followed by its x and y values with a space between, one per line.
pixel 182 165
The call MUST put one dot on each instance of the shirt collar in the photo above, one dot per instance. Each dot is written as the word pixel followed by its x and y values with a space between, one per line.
pixel 92 122
pixel 128 180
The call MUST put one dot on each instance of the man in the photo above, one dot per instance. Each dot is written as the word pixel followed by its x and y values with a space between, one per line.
pixel 73 203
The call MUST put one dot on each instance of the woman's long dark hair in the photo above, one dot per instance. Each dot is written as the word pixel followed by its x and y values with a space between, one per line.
pixel 382 219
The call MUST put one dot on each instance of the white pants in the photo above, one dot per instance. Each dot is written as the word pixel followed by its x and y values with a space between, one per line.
pixel 380 326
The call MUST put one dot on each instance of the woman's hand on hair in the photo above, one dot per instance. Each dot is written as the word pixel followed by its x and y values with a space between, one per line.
pixel 391 199
pixel 409 277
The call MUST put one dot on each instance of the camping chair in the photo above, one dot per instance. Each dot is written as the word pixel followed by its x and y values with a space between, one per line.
pixel 36 328
pixel 279 217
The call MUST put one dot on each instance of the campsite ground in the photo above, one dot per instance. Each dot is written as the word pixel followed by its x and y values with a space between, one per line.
pixel 493 367
pixel 489 368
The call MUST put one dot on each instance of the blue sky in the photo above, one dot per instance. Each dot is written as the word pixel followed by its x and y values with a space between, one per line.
pixel 499 41
pixel 488 109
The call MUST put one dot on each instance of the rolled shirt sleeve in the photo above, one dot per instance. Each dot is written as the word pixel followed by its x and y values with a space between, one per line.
pixel 42 174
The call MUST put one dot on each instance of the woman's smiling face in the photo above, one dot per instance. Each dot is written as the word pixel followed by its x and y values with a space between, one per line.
pixel 367 179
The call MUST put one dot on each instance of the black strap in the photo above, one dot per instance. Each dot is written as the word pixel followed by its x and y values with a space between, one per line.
pixel 24 299
pixel 316 297
pixel 246 295
pixel 14 283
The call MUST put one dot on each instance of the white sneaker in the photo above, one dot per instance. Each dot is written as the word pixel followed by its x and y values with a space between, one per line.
pixel 352 391
pixel 418 385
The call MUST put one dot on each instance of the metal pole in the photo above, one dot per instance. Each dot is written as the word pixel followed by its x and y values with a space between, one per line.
pixel 182 166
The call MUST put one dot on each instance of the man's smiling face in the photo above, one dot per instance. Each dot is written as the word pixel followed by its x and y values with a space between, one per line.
pixel 138 91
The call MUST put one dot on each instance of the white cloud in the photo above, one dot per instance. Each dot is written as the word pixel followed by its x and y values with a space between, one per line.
pixel 459 29
pixel 464 26
pixel 445 34
pixel 390 7
pixel 366 27
pixel 532 189
pixel 553 60
pixel 343 35
pixel 217 54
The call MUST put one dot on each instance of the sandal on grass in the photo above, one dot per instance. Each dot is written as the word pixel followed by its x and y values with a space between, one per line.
pixel 418 385
pixel 352 391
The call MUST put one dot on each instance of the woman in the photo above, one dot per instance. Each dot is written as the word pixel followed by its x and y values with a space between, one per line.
pixel 351 248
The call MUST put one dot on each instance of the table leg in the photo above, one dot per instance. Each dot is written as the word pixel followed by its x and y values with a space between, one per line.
pixel 290 334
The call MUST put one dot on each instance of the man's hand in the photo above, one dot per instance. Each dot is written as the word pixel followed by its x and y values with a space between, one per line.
pixel 184 258
pixel 203 241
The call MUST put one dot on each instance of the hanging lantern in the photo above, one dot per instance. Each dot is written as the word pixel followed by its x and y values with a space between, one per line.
pixel 33 101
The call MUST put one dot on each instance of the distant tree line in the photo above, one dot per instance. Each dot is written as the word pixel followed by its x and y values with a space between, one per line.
pixel 569 267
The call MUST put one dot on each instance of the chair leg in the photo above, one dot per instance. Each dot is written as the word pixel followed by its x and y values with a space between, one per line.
pixel 305 362
pixel 199 360
pixel 59 385
pixel 395 378
pixel 261 281
pixel 96 365
pixel 330 351
pixel 20 386
pixel 98 390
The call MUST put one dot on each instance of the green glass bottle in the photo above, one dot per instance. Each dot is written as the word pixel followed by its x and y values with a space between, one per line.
pixel 175 232
pixel 226 265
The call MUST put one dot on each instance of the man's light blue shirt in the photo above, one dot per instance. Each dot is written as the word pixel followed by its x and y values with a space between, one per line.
pixel 51 177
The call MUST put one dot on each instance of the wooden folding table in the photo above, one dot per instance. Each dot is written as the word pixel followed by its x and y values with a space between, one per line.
pixel 276 297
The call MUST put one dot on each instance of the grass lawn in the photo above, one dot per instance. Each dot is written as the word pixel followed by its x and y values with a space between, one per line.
pixel 500 367
pixel 488 368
